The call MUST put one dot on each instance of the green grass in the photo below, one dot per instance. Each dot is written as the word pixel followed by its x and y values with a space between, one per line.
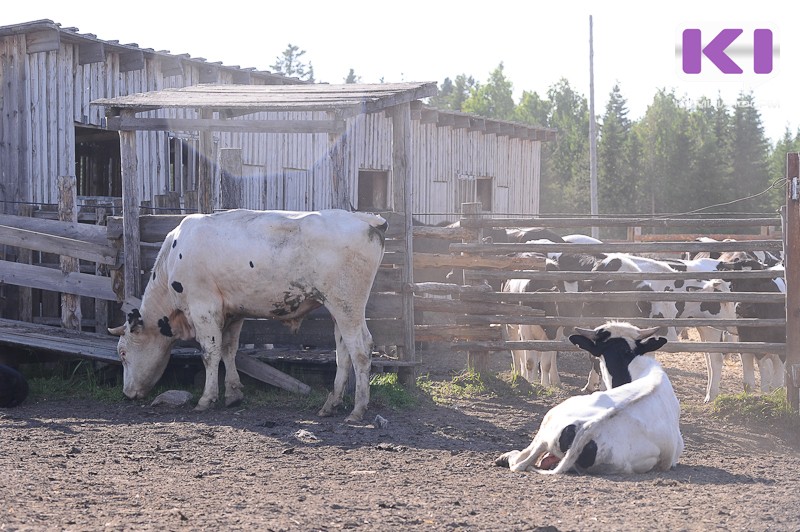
pixel 773 406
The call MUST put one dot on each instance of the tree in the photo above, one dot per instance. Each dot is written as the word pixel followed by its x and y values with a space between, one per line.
pixel 352 78
pixel 777 163
pixel 617 186
pixel 451 95
pixel 289 64
pixel 667 156
pixel 750 155
pixel 533 110
pixel 565 162
pixel 494 99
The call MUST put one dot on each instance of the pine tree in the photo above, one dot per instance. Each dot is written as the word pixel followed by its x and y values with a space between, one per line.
pixel 493 99
pixel 750 152
pixel 616 183
pixel 289 64
pixel 451 95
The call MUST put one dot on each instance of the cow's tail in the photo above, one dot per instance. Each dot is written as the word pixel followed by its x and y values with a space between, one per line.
pixel 589 430
pixel 378 225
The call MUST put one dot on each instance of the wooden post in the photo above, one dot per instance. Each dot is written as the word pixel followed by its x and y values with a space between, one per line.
pixel 337 150
pixel 402 195
pixel 100 305
pixel 230 174
pixel 68 212
pixel 25 256
pixel 205 177
pixel 791 235
pixel 476 360
pixel 131 238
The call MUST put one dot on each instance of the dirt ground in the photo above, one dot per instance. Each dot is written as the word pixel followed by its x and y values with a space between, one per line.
pixel 86 465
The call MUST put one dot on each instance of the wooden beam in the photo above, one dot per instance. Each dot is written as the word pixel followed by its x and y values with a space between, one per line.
pixel 429 116
pixel 91 52
pixel 792 260
pixel 209 73
pixel 130 61
pixel 119 123
pixel 337 151
pixel 460 121
pixel 131 242
pixel 266 373
pixel 205 177
pixel 171 66
pixel 48 40
pixel 81 284
pixel 402 193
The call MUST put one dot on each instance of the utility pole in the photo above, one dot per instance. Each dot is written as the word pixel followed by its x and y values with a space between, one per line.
pixel 592 134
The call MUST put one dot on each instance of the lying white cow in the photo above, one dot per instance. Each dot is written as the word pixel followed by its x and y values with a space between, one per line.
pixel 632 427
pixel 215 270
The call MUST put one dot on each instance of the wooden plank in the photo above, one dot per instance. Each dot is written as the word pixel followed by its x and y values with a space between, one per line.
pixel 68 212
pixel 537 297
pixel 23 238
pixel 75 231
pixel 669 347
pixel 792 261
pixel 266 373
pixel 130 214
pixel 333 127
pixel 576 222
pixel 650 247
pixel 80 284
pixel 620 276
pixel 499 262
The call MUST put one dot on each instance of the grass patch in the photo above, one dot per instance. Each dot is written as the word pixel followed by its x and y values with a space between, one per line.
pixel 766 407
pixel 75 381
pixel 465 385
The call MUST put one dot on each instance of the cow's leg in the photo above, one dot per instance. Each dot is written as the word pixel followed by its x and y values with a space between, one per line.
pixel 748 371
pixel 714 362
pixel 343 364
pixel 230 345
pixel 778 370
pixel 549 369
pixel 208 332
pixel 353 347
pixel 593 382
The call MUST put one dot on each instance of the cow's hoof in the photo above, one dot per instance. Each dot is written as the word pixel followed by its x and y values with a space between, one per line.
pixel 235 399
pixel 324 413
pixel 202 407
pixel 352 418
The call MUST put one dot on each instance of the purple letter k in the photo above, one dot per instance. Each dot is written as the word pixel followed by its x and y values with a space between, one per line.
pixel 715 51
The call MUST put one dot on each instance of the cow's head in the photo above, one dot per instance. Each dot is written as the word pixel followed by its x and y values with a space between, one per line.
pixel 617 344
pixel 144 350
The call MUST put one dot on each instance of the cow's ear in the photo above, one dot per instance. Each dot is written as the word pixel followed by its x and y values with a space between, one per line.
pixel 651 344
pixel 585 344
pixel 135 320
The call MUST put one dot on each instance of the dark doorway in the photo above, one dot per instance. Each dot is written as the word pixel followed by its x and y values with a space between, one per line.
pixel 373 188
pixel 97 162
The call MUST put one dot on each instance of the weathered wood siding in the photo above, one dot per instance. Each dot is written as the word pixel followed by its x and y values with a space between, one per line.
pixel 274 163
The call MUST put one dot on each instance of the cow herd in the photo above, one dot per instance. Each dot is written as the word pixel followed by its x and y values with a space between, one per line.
pixel 542 366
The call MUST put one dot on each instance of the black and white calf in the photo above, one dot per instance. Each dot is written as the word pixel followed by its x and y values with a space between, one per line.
pixel 13 387
pixel 630 428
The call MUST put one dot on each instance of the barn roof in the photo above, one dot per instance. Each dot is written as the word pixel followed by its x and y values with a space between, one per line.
pixel 345 100
pixel 45 35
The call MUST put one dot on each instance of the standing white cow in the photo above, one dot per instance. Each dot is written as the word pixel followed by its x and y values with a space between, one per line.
pixel 632 427
pixel 215 270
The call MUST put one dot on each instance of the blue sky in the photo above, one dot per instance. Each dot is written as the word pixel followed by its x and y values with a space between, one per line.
pixel 538 43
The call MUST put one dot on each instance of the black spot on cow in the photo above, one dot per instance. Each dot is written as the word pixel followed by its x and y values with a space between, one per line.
pixel 213 340
pixel 180 256
pixel 251 264
pixel 154 276
pixel 679 283
pixel 174 243
pixel 164 327
pixel 711 307
pixel 178 287
pixel 588 454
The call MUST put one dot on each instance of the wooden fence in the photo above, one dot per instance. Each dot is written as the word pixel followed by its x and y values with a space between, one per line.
pixel 465 315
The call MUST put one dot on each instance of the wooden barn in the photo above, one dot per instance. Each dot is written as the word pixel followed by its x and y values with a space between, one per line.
pixel 50 75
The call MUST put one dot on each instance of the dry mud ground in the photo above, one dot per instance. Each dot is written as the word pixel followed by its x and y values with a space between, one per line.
pixel 86 465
